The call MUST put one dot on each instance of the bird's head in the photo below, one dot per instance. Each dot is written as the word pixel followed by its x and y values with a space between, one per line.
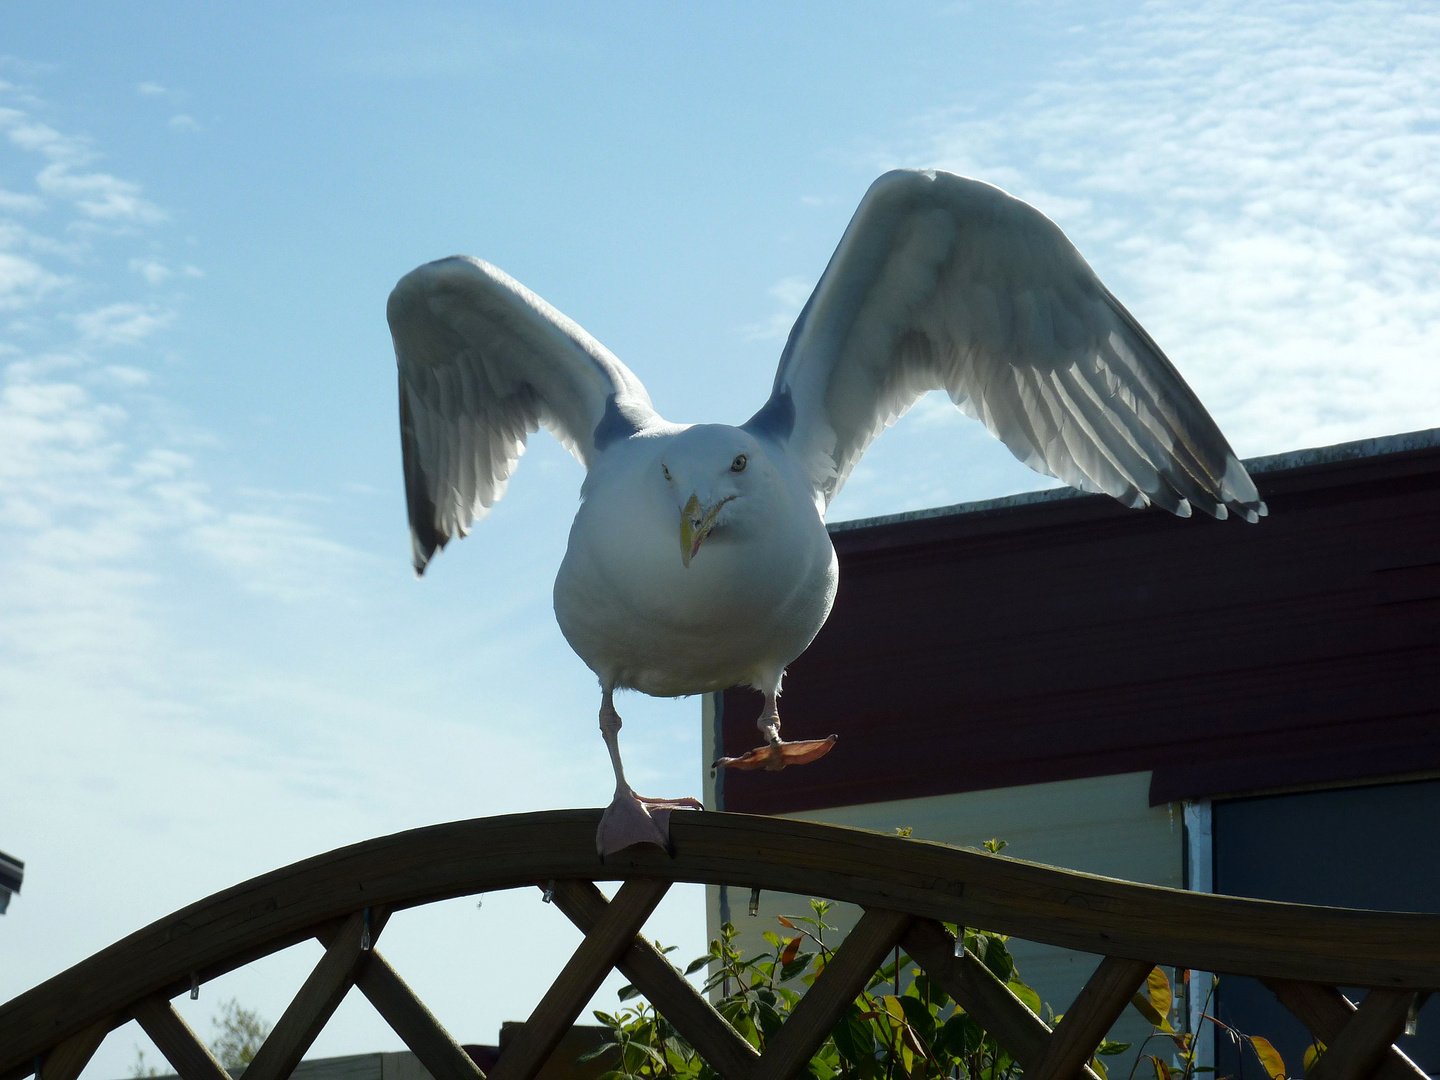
pixel 711 470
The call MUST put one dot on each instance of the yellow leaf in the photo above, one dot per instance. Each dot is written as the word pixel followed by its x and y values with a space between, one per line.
pixel 785 922
pixel 1270 1059
pixel 1312 1055
pixel 1162 1070
pixel 1154 999
pixel 1159 991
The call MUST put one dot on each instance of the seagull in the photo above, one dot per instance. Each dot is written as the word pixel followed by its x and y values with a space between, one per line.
pixel 699 558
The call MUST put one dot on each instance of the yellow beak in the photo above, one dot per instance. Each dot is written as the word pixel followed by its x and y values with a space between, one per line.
pixel 696 522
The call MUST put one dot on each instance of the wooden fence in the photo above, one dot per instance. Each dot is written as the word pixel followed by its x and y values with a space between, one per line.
pixel 908 888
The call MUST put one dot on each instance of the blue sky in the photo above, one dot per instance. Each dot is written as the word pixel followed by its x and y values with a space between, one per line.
pixel 214 659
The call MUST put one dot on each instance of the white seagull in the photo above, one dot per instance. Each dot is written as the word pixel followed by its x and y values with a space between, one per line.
pixel 699 558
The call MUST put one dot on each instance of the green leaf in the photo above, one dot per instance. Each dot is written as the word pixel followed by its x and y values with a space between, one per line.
pixel 960 1037
pixel 599 1051
pixel 627 992
pixel 919 1018
pixel 1270 1059
pixel 856 1044
pixel 796 966
pixel 997 957
pixel 1025 994
pixel 696 965
pixel 1110 1049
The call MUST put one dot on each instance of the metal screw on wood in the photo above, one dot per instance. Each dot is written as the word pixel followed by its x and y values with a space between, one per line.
pixel 194 987
pixel 755 901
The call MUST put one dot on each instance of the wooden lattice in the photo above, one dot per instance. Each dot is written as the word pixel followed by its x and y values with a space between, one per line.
pixel 907 888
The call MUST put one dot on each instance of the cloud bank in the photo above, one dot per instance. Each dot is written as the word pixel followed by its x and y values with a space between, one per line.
pixel 1260 183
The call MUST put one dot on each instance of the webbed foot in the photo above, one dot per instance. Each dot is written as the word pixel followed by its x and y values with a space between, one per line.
pixel 635 819
pixel 774 756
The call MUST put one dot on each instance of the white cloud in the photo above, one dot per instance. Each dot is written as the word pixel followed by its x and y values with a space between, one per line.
pixel 150 89
pixel 153 271
pixel 184 122
pixel 790 294
pixel 23 281
pixel 1257 182
pixel 18 202
pixel 98 195
pixel 122 323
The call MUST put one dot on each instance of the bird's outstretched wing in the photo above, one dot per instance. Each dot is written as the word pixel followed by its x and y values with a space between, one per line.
pixel 484 362
pixel 944 283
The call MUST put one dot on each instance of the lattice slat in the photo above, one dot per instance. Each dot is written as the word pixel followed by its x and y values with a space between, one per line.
pixel 788 1052
pixel 67 1058
pixel 408 1017
pixel 313 1006
pixel 614 932
pixel 180 1045
pixel 691 1015
pixel 1363 1043
pixel 976 990
pixel 1326 1011
pixel 1090 1016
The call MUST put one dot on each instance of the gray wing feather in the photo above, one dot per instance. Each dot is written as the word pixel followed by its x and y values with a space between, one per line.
pixel 944 283
pixel 483 362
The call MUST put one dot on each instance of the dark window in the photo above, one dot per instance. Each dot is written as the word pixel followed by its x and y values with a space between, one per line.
pixel 1365 847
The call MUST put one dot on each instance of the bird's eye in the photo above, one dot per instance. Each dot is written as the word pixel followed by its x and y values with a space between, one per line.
pixel 738 465
pixel 665 469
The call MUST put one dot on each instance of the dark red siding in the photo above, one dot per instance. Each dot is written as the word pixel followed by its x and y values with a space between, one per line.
pixel 1072 637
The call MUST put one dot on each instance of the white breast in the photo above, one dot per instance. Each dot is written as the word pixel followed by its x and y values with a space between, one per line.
pixel 752 599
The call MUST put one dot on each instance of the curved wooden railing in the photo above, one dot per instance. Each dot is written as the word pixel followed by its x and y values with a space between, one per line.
pixel 906 887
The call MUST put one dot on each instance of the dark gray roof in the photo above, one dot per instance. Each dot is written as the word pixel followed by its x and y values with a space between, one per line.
pixel 1428 439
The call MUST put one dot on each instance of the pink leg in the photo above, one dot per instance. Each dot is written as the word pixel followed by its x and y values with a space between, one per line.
pixel 776 754
pixel 630 818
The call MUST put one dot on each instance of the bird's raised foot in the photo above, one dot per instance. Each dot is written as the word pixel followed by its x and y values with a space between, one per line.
pixel 635 819
pixel 777 755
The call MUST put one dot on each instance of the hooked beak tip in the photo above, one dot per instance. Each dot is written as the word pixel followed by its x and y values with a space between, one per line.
pixel 693 530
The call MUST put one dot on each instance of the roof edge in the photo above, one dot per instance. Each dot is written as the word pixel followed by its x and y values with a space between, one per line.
pixel 1360 449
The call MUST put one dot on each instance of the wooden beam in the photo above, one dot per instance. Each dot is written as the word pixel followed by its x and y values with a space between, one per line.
pixel 613 934
pixel 1090 1017
pixel 66 1059
pixel 680 1003
pixel 312 1007
pixel 976 990
pixel 172 1036
pixel 1363 1043
pixel 417 1027
pixel 815 1016
pixel 1326 1011
pixel 1046 905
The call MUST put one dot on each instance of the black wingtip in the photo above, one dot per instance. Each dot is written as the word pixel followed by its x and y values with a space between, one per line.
pixel 426 536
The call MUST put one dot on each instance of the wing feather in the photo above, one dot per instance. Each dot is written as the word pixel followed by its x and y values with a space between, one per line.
pixel 944 283
pixel 483 362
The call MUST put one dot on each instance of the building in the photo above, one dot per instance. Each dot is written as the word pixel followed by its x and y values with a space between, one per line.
pixel 1199 704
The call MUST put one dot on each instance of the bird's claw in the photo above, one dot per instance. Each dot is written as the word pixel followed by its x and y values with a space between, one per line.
pixel 634 819
pixel 775 756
